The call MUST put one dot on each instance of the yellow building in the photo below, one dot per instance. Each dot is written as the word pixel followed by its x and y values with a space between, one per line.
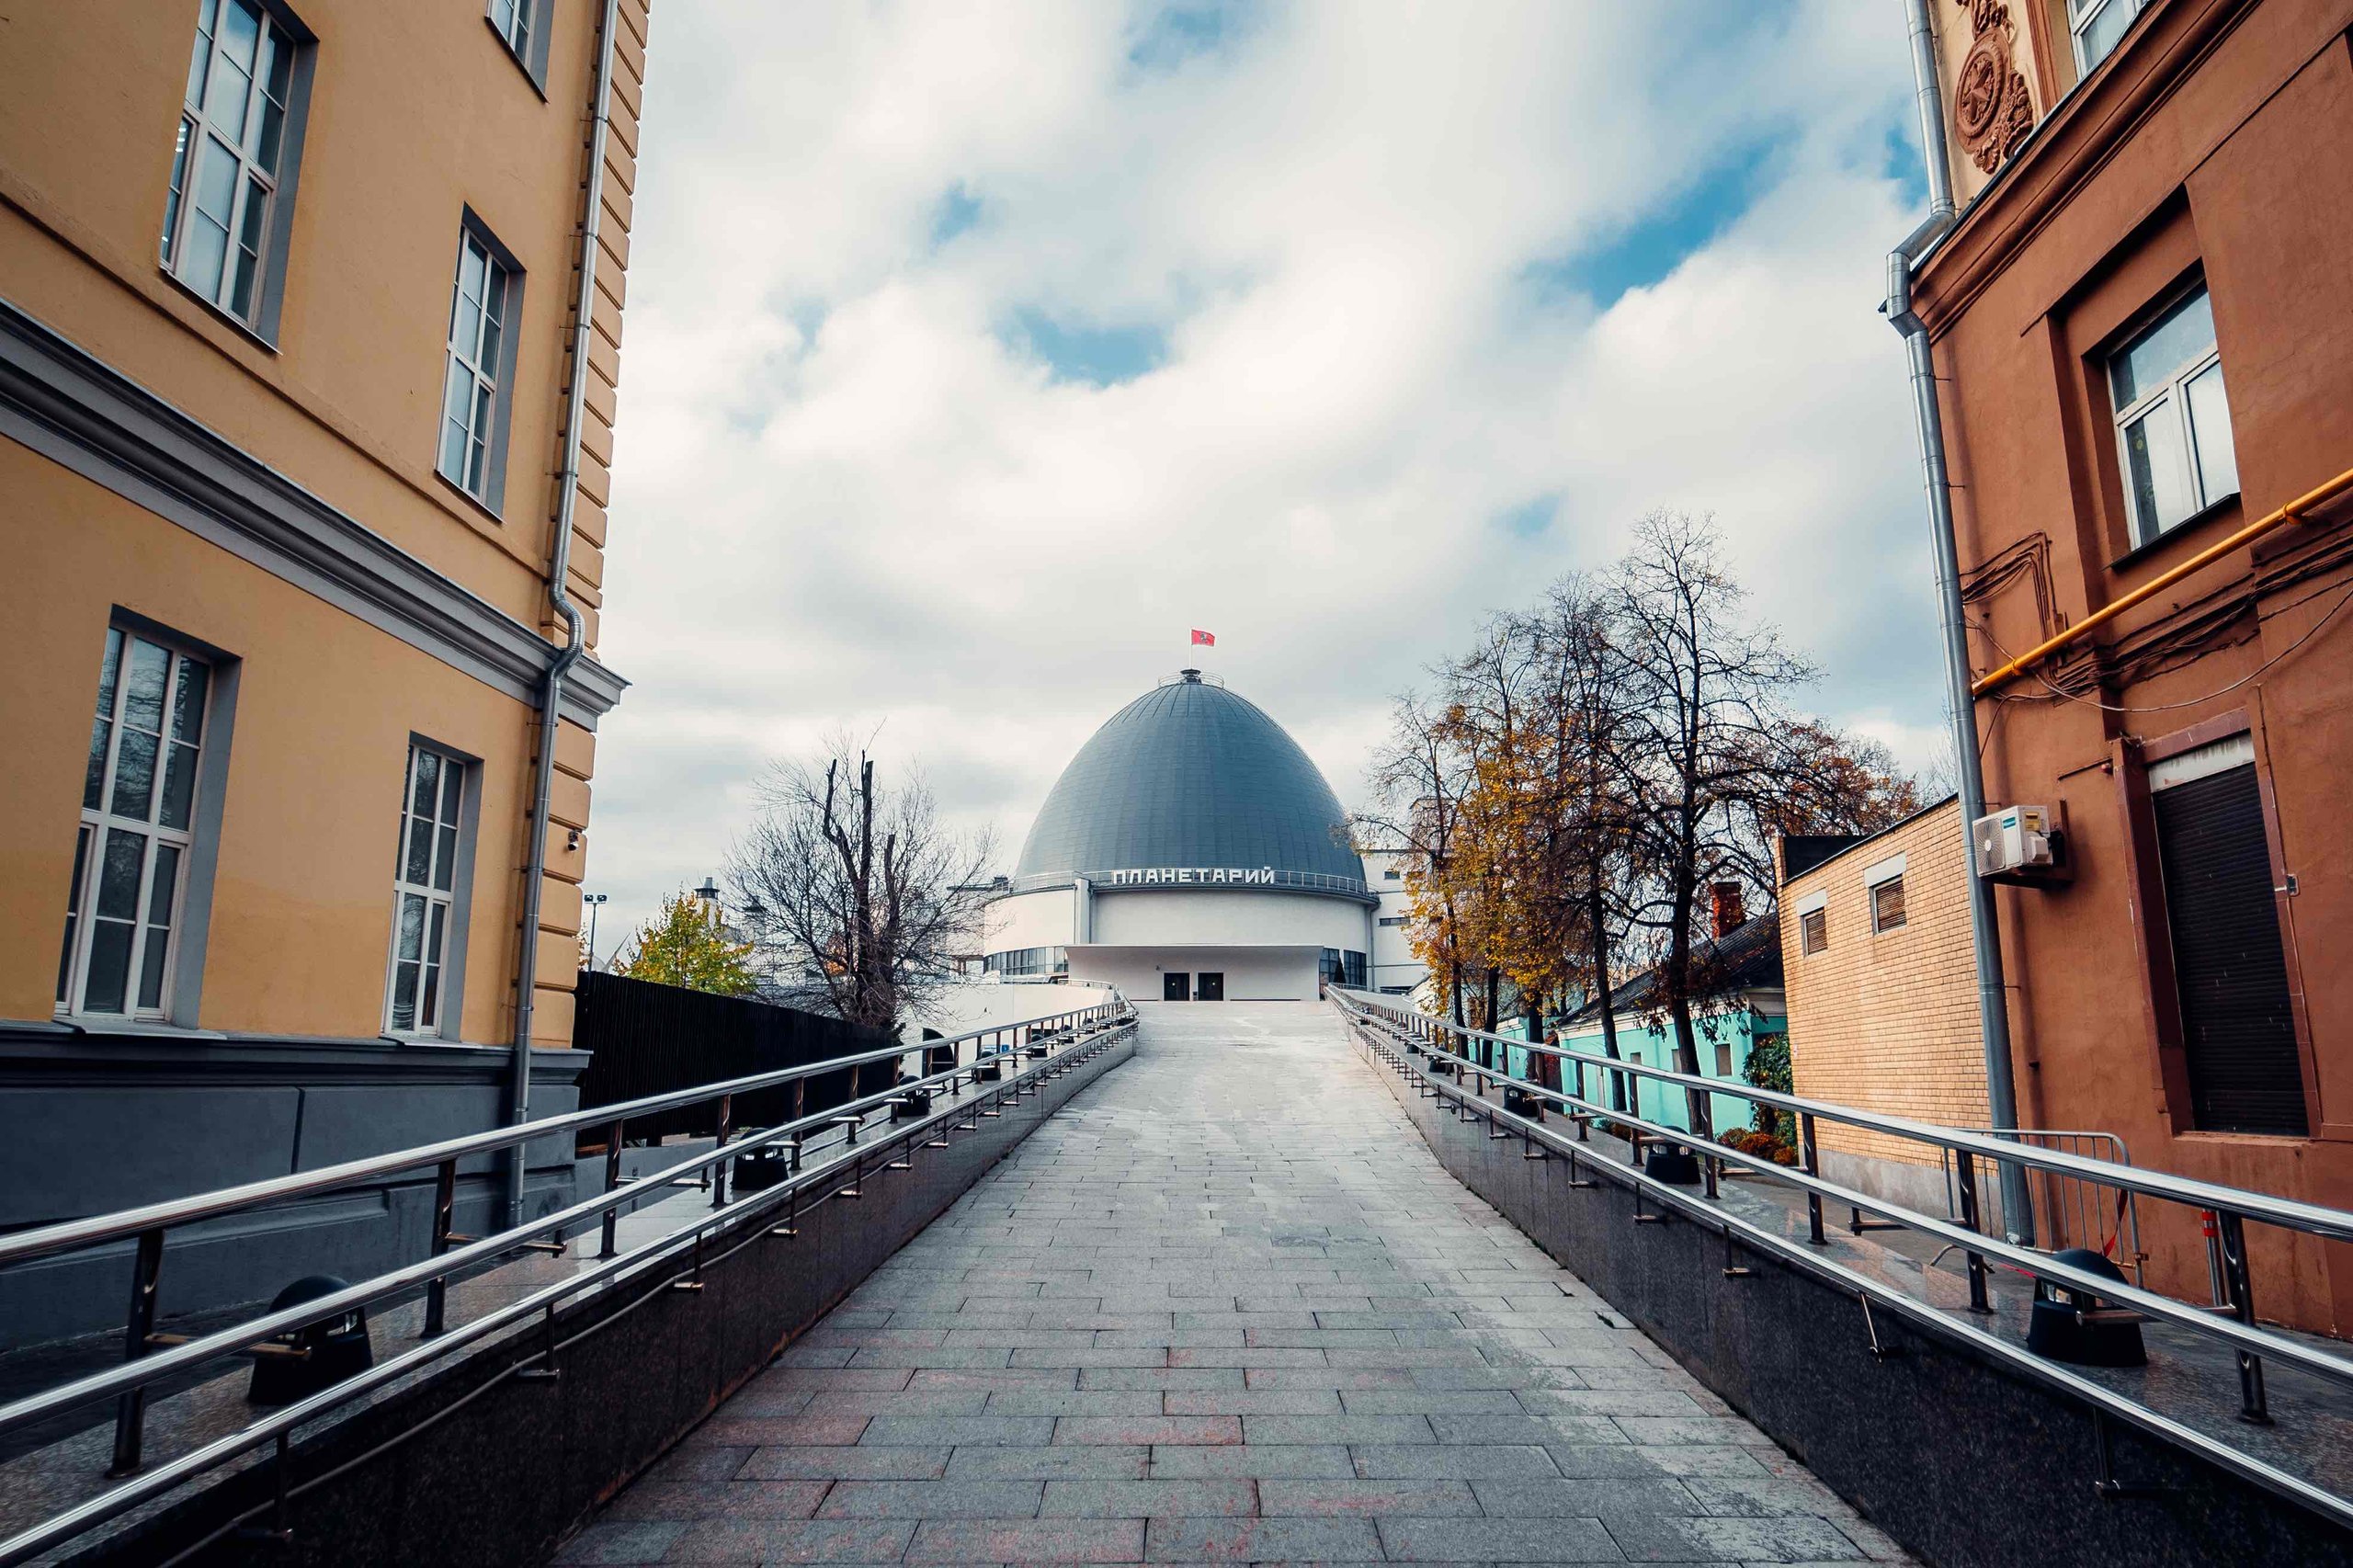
pixel 304 438
pixel 1882 988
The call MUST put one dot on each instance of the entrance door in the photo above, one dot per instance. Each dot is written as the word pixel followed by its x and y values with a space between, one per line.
pixel 1175 986
pixel 1212 986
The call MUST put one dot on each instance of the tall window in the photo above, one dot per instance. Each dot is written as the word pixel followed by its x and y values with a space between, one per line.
pixel 424 890
pixel 225 167
pixel 513 21
pixel 472 404
pixel 2099 26
pixel 138 815
pixel 2172 423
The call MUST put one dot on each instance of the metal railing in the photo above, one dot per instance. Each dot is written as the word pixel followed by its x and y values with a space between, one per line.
pixel 1005 1062
pixel 1442 1057
pixel 2073 1211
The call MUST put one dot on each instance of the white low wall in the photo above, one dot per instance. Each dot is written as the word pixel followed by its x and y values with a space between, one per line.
pixel 1252 974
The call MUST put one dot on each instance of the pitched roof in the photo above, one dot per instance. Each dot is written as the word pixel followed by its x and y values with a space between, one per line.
pixel 1746 958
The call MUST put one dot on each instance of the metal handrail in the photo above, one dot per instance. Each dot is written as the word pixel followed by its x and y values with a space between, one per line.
pixel 1865 1286
pixel 133 1375
pixel 2335 1224
pixel 2230 1205
pixel 68 1235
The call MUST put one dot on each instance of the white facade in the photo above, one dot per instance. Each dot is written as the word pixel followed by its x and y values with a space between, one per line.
pixel 1395 966
pixel 1263 944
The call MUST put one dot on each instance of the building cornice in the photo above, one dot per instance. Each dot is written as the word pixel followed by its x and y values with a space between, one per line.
pixel 2069 148
pixel 63 402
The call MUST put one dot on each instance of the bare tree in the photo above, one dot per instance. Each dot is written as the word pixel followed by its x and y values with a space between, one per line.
pixel 1417 784
pixel 867 901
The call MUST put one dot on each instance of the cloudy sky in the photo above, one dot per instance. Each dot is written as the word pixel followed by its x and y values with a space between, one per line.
pixel 977 353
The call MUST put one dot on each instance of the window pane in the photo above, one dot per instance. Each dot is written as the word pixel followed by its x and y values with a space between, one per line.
pixel 208 229
pixel 478 451
pixel 187 701
pixel 2184 334
pixel 454 405
pixel 487 361
pixel 161 888
pixel 445 862
pixel 200 52
pixel 179 184
pixel 179 787
pixel 403 996
pixel 135 773
pixel 465 327
pixel 109 966
pixel 427 770
pixel 93 777
pixel 2153 470
pixel 162 884
pixel 109 668
pixel 453 782
pixel 143 702
pixel 150 969
pixel 412 936
pixel 417 864
pixel 241 291
pixel 428 1008
pixel 2101 36
pixel 277 74
pixel 225 100
pixel 434 934
pixel 2210 423
pixel 72 910
pixel 118 877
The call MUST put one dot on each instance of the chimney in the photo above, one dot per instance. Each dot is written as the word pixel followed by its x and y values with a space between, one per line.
pixel 1729 911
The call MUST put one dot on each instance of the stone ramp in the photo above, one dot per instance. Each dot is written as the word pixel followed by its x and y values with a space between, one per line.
pixel 1226 1307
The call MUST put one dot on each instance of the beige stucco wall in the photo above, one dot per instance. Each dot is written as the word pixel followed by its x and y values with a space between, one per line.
pixel 1887 1021
pixel 416 115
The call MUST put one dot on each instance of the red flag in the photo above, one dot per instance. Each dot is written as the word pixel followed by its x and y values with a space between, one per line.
pixel 1202 639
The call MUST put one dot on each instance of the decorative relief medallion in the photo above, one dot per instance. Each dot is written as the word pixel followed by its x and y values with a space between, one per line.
pixel 1992 110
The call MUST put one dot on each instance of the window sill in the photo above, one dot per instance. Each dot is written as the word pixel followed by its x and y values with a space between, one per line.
pixel 2175 534
pixel 243 329
pixel 507 47
pixel 472 500
pixel 95 1024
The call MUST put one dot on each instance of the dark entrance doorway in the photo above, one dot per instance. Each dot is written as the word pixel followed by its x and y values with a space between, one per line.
pixel 1211 987
pixel 1175 987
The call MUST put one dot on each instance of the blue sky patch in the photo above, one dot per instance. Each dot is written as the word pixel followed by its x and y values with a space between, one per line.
pixel 1530 518
pixel 1181 30
pixel 955 211
pixel 1654 244
pixel 1079 351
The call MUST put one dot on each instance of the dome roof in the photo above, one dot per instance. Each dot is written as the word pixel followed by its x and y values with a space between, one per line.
pixel 1188 774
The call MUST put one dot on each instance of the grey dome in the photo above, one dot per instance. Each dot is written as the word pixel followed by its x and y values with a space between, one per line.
pixel 1189 775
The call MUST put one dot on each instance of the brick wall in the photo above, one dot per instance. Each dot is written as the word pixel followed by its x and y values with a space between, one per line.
pixel 1887 1021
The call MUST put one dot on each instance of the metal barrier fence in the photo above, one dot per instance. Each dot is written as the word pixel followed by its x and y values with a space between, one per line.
pixel 2070 1211
pixel 1458 1065
pixel 1005 1062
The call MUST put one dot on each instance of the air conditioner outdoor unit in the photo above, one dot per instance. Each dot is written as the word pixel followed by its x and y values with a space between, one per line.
pixel 2014 840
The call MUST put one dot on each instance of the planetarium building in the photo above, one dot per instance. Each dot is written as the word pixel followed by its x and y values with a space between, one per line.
pixel 1189 852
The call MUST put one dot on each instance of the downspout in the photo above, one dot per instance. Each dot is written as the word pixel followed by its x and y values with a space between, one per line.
pixel 560 562
pixel 1985 932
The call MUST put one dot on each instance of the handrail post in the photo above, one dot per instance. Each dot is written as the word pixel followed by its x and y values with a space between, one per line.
pixel 445 1211
pixel 612 1183
pixel 1585 1119
pixel 1966 1168
pixel 138 1324
pixel 2254 1407
pixel 719 1170
pixel 1810 1158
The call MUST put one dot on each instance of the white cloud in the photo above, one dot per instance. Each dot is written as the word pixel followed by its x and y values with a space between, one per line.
pixel 842 497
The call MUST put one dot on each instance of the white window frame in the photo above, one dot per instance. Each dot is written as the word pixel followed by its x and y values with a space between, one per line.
pixel 1807 946
pixel 480 350
pixel 512 20
pixel 438 894
pixel 2081 14
pixel 2152 402
pixel 113 721
pixel 233 128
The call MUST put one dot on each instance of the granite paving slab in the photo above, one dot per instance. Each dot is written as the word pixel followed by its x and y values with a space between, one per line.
pixel 1225 1306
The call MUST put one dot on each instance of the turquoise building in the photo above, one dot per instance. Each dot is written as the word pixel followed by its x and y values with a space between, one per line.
pixel 1740 974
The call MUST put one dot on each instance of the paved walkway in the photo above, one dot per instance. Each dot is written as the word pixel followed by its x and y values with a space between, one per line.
pixel 1226 1307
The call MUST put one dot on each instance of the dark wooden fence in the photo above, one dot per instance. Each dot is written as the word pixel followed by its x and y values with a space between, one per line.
pixel 648 1039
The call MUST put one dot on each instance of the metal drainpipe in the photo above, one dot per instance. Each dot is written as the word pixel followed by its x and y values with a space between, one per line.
pixel 559 563
pixel 1985 932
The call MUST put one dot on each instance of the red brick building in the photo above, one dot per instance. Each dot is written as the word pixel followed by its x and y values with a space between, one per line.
pixel 2141 330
